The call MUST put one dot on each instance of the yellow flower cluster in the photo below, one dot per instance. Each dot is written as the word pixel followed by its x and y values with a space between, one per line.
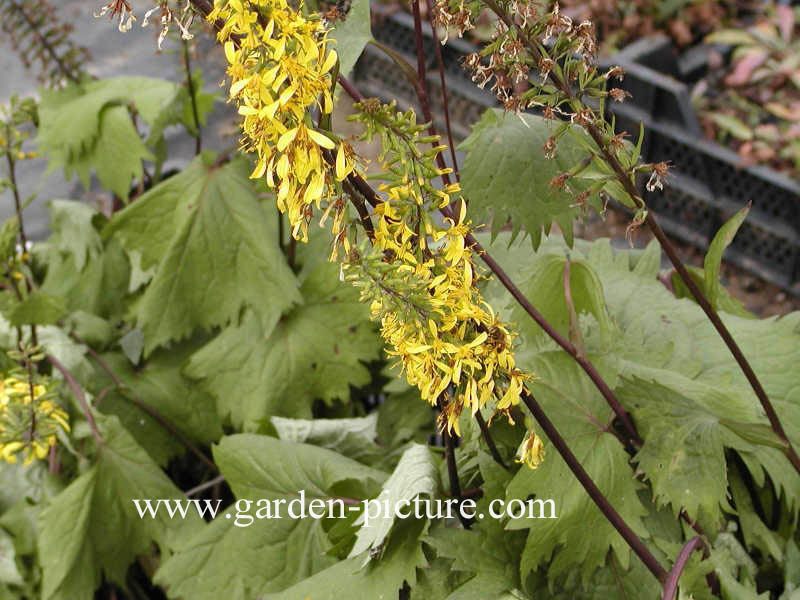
pixel 29 420
pixel 280 68
pixel 453 344
pixel 420 279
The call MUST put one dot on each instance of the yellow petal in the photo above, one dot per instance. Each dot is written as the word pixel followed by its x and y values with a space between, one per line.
pixel 321 140
pixel 239 85
pixel 230 52
pixel 287 138
pixel 340 164
pixel 330 60
pixel 260 169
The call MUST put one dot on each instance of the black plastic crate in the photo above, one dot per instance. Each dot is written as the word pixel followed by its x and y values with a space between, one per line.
pixel 708 183
pixel 377 75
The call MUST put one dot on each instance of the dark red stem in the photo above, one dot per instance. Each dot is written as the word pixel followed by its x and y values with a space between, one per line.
pixel 671 585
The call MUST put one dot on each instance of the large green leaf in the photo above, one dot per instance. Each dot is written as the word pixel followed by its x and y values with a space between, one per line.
pixel 506 175
pixel 354 438
pixel 281 550
pixel 260 368
pixel 210 237
pixel 69 118
pixel 93 527
pixel 582 417
pixel 415 475
pixel 658 337
pixel 486 552
pixel 160 385
pixel 379 580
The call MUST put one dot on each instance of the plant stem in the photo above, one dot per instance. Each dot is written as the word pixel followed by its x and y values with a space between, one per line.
pixel 198 146
pixel 443 82
pixel 204 486
pixel 143 406
pixel 591 488
pixel 671 585
pixel 584 362
pixel 487 437
pixel 76 389
pixel 626 181
pixel 12 175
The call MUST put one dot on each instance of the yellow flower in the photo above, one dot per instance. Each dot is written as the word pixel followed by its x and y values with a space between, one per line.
pixel 531 450
pixel 280 69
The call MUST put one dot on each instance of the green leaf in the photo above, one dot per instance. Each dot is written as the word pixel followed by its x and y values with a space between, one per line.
pixel 581 415
pixel 116 156
pixel 262 368
pixel 93 525
pixel 713 259
pixel 724 301
pixel 69 118
pixel 210 237
pixel 485 553
pixel 379 580
pixel 660 338
pixel 547 283
pixel 9 573
pixel 683 453
pixel 73 229
pixel 506 175
pixel 354 438
pixel 8 238
pixel 415 475
pixel 159 385
pixel 281 550
pixel 352 33
pixel 38 308
pixel 99 289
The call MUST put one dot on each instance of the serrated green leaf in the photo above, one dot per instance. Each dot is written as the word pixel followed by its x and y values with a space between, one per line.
pixel 260 368
pixel 506 175
pixel 159 385
pixel 116 155
pixel 209 235
pixel 93 525
pixel 581 416
pixel 282 550
pixel 73 230
pixel 379 580
pixel 484 553
pixel 38 308
pixel 69 118
pixel 415 475
pixel 683 452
